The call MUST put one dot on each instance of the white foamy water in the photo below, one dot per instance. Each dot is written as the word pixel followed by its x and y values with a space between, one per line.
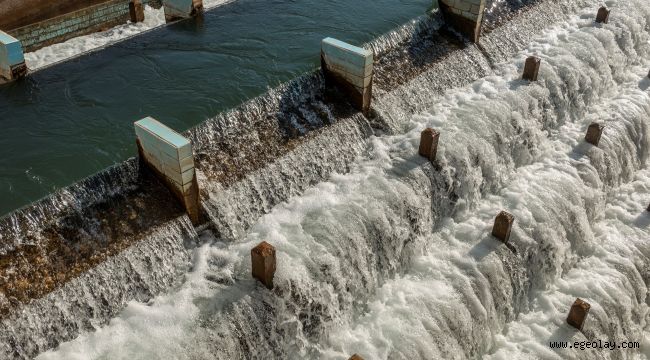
pixel 49 55
pixel 394 260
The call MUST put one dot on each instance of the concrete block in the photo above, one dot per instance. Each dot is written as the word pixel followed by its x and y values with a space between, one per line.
pixel 350 69
pixel 136 11
pixel 169 155
pixel 181 9
pixel 12 60
pixel 578 313
pixel 603 15
pixel 466 16
pixel 503 226
pixel 263 263
pixel 429 143
pixel 531 68
pixel 594 133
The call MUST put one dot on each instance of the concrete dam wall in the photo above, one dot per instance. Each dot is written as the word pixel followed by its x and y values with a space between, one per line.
pixel 73 260
pixel 39 23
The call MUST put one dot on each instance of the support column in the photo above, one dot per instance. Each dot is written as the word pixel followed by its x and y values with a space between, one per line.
pixel 263 263
pixel 136 11
pixel 181 9
pixel 594 132
pixel 466 16
pixel 531 69
pixel 169 156
pixel 503 226
pixel 350 68
pixel 578 313
pixel 12 60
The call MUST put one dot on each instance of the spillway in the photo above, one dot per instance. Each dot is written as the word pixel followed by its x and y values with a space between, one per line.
pixel 380 252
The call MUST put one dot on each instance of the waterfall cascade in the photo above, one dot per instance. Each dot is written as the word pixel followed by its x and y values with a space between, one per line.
pixel 380 252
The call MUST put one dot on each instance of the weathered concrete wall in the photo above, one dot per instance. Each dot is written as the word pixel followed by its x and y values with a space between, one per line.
pixel 349 67
pixel 19 13
pixel 465 16
pixel 54 24
pixel 180 9
pixel 169 155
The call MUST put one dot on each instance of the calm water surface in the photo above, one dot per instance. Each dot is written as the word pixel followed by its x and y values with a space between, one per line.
pixel 76 118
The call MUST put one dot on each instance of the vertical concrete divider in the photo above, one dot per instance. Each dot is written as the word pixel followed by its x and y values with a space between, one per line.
pixel 578 313
pixel 169 155
pixel 136 11
pixel 466 16
pixel 181 9
pixel 350 68
pixel 12 60
pixel 503 226
pixel 263 263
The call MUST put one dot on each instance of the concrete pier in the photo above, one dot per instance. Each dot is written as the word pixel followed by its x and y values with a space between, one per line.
pixel 169 156
pixel 603 15
pixel 350 68
pixel 263 263
pixel 429 143
pixel 578 313
pixel 531 68
pixel 503 226
pixel 466 16
pixel 594 133
pixel 181 9
pixel 12 60
pixel 136 11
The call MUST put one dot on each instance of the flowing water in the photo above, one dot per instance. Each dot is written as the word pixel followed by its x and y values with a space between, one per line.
pixel 79 114
pixel 380 252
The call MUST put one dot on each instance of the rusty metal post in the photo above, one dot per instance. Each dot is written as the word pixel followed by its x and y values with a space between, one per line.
pixel 531 69
pixel 503 226
pixel 429 143
pixel 136 11
pixel 594 133
pixel 355 357
pixel 603 15
pixel 263 263
pixel 578 313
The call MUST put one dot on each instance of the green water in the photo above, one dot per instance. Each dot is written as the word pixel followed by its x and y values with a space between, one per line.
pixel 74 119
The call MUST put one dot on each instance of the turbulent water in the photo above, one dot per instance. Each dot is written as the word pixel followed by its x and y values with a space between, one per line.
pixel 384 254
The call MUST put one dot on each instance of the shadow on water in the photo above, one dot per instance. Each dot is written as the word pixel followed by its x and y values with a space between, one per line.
pixel 643 220
pixel 487 245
